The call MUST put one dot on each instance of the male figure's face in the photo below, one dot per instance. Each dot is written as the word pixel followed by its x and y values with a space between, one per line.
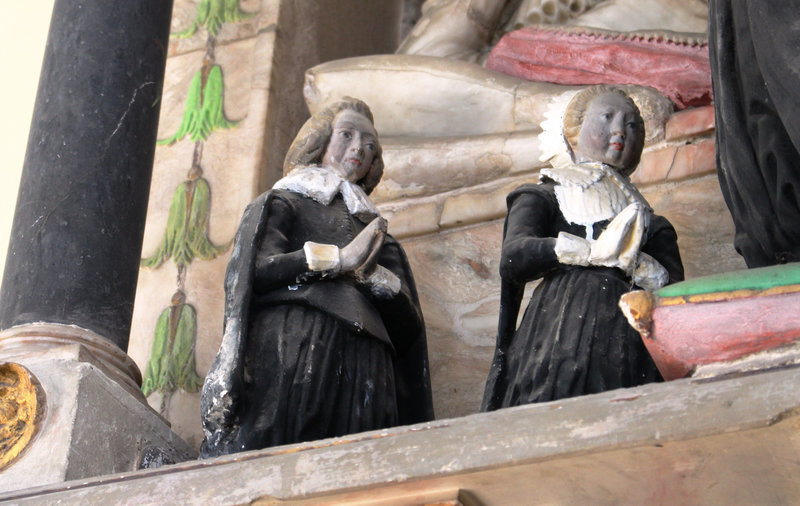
pixel 352 147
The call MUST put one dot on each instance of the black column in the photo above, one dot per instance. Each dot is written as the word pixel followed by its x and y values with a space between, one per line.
pixel 77 234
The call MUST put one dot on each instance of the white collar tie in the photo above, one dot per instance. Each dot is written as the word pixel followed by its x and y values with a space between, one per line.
pixel 323 184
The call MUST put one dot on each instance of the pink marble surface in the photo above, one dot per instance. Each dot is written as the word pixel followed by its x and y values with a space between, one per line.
pixel 690 122
pixel 689 335
pixel 673 163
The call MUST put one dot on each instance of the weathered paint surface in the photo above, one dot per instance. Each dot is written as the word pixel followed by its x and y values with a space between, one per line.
pixel 687 335
pixel 731 440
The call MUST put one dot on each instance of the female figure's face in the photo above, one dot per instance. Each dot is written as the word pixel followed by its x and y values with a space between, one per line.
pixel 352 147
pixel 611 133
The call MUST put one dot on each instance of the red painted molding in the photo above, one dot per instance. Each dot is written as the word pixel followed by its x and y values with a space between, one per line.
pixel 679 70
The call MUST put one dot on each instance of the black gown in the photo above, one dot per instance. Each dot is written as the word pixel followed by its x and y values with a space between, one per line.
pixel 753 46
pixel 319 357
pixel 573 339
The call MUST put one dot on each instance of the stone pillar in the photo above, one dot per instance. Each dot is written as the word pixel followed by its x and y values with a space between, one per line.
pixel 76 239
pixel 70 277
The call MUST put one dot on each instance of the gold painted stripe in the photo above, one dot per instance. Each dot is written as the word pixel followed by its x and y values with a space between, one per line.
pixel 723 296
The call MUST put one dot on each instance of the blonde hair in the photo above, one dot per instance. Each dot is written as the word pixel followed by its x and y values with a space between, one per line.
pixel 312 140
pixel 576 112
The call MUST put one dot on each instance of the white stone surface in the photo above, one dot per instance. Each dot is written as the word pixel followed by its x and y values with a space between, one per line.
pixel 416 166
pixel 631 15
pixel 448 98
pixel 90 424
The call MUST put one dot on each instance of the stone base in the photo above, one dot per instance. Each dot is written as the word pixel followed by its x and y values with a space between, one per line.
pixel 782 356
pixel 733 440
pixel 89 424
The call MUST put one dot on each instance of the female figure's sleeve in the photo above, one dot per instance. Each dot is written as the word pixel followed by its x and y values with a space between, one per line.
pixel 529 241
pixel 528 253
pixel 275 265
pixel 662 244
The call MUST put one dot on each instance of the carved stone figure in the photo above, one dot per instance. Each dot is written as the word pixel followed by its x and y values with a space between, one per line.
pixel 323 332
pixel 465 29
pixel 590 236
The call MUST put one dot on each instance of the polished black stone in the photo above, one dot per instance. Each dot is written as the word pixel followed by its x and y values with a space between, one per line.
pixel 77 234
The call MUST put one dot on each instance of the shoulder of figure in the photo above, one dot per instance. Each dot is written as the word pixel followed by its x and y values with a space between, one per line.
pixel 658 222
pixel 276 198
pixel 543 190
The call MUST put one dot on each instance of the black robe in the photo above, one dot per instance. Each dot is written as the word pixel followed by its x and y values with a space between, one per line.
pixel 755 75
pixel 305 356
pixel 573 339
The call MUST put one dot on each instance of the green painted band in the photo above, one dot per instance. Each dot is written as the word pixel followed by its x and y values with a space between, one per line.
pixel 761 278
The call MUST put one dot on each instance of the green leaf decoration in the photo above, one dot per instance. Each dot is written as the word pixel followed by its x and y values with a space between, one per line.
pixel 212 14
pixel 171 365
pixel 203 112
pixel 186 237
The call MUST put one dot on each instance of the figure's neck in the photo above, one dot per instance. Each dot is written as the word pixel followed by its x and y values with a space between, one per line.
pixel 339 171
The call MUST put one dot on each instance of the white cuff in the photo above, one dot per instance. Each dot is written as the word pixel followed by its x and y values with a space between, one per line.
pixel 572 250
pixel 649 273
pixel 383 283
pixel 322 257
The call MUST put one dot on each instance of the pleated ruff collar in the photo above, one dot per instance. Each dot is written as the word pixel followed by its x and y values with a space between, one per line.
pixel 323 184
pixel 590 192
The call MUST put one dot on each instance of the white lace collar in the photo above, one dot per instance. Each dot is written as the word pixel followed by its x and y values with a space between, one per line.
pixel 323 184
pixel 590 192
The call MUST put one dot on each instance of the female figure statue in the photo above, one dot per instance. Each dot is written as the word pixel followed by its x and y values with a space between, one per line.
pixel 323 331
pixel 590 236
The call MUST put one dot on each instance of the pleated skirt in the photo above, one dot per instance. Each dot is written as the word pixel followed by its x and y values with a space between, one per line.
pixel 308 377
pixel 574 340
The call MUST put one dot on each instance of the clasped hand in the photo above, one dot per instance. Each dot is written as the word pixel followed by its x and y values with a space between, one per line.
pixel 361 255
pixel 617 246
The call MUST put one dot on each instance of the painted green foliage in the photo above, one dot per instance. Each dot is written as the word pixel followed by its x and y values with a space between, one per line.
pixel 186 237
pixel 212 14
pixel 171 364
pixel 203 113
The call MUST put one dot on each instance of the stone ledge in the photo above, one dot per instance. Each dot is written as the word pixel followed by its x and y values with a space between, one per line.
pixel 689 123
pixel 414 217
pixel 419 167
pixel 703 438
pixel 413 220
pixel 479 206
pixel 676 162
pixel 485 202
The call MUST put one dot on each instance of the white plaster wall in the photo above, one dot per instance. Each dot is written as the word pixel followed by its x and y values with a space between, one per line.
pixel 23 33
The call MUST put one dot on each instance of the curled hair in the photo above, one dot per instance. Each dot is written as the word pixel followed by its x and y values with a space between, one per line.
pixel 576 112
pixel 312 140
